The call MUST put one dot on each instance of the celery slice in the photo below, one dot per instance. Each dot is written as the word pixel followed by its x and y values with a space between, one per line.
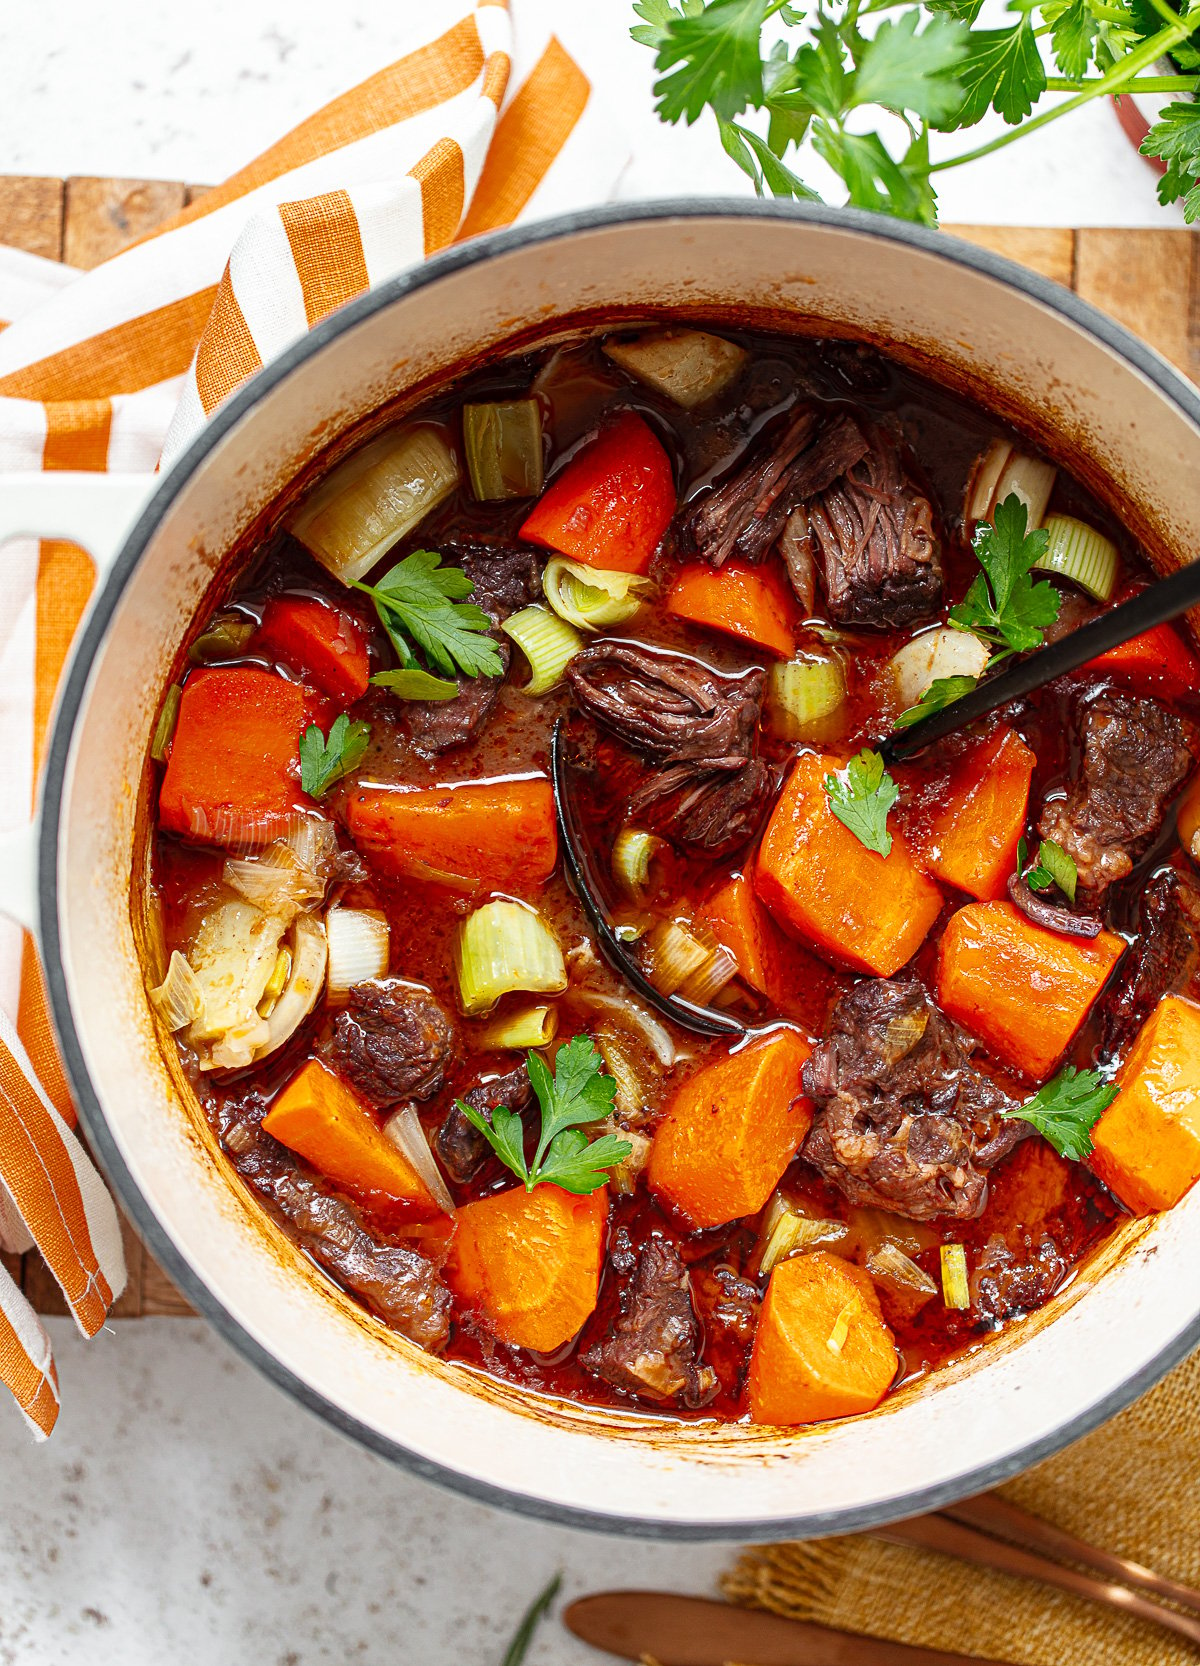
pixel 531 1027
pixel 548 643
pixel 505 946
pixel 1078 552
pixel 804 693
pixel 503 446
pixel 164 729
pixel 956 1291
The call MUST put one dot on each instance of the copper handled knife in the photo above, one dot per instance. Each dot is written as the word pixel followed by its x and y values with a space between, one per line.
pixel 694 1631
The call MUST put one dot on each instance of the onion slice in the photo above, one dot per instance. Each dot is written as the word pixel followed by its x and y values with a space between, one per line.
pixel 300 992
pixel 359 941
pixel 177 998
pixel 404 1130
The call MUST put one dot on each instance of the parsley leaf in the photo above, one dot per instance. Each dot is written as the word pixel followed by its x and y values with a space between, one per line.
pixel 577 1094
pixel 1175 138
pixel 942 692
pixel 322 762
pixel 860 796
pixel 1003 604
pixel 903 70
pixel 421 599
pixel 1072 34
pixel 1067 1109
pixel 873 177
pixel 410 682
pixel 709 56
pixel 1002 70
pixel 756 158
pixel 1054 867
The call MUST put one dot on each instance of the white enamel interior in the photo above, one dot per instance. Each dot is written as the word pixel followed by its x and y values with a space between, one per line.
pixel 975 1421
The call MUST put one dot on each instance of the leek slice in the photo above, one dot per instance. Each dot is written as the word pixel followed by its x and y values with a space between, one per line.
pixel 532 1027
pixel 804 693
pixel 280 973
pixel 359 939
pixel 633 852
pixel 956 1291
pixel 889 1265
pixel 548 643
pixel 703 987
pixel 1002 470
pixel 374 498
pixel 624 1177
pixel 305 980
pixel 787 1231
pixel 688 366
pixel 590 598
pixel 503 446
pixel 505 946
pixel 1078 552
pixel 676 951
pixel 177 998
pixel 164 729
pixel 937 653
pixel 225 634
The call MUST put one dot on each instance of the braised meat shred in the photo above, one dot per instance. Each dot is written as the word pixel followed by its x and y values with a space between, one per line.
pixel 461 1147
pixel 697 725
pixel 392 1041
pixel 745 514
pixel 1163 959
pixel 904 1121
pixel 507 577
pixel 1136 756
pixel 394 1280
pixel 653 1350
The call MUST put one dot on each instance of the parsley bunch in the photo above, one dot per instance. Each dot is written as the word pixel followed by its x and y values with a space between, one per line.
pixel 577 1094
pixel 779 75
pixel 421 603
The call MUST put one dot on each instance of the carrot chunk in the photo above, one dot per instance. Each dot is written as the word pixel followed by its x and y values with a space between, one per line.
pixel 773 964
pixel 612 503
pixel 855 907
pixel 318 640
pixel 741 600
pixel 731 1130
pixel 1147 1143
pixel 821 1348
pixel 1155 663
pixel 529 1262
pixel 1023 990
pixel 495 835
pixel 320 1116
pixel 967 837
pixel 233 776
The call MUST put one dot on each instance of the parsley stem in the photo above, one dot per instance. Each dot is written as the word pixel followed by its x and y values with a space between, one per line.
pixel 1115 80
pixel 1140 84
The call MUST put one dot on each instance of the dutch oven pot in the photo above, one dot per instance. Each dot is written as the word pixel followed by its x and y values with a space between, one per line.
pixel 1130 426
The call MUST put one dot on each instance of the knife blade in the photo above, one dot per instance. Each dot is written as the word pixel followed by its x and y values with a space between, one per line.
pixel 696 1631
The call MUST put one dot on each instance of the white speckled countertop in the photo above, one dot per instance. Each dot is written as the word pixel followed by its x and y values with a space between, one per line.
pixel 185 1509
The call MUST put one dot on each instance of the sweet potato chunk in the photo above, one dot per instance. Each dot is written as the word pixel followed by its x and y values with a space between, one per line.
pixel 821 1349
pixel 731 1130
pixel 1148 1140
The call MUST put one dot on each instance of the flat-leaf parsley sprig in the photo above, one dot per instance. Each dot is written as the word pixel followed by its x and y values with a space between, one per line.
pixel 780 75
pixel 860 796
pixel 421 603
pixel 324 761
pixel 1066 1110
pixel 578 1093
pixel 1004 606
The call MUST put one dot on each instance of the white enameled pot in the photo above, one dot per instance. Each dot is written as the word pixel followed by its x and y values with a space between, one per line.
pixel 1130 426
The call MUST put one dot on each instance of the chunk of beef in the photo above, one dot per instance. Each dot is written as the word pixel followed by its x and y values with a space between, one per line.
pixel 712 813
pixel 507 577
pixel 904 1121
pixel 873 534
pixel 393 1041
pixel 461 1147
pixel 1162 960
pixel 745 514
pixel 394 1280
pixel 669 708
pixel 654 1347
pixel 1135 758
pixel 1007 1281
pixel 1054 916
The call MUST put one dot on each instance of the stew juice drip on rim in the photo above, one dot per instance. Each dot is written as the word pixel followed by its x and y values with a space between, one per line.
pixel 758 527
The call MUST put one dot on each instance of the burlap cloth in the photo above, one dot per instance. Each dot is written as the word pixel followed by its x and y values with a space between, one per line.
pixel 1132 1487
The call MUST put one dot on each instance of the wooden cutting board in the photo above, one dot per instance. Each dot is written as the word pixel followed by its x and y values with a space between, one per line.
pixel 1149 280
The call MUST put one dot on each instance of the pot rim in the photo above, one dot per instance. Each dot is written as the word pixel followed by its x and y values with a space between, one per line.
pixel 1136 353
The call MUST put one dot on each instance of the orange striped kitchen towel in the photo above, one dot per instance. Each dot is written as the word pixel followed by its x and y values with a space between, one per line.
pixel 486 117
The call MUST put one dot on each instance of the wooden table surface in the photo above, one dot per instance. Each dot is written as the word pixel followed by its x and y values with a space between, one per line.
pixel 1149 280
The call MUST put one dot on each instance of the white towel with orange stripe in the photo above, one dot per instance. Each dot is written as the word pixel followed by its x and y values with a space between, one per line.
pixel 486 117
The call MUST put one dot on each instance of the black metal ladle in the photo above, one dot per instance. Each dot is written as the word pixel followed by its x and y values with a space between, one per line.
pixel 1156 605
pixel 701 1020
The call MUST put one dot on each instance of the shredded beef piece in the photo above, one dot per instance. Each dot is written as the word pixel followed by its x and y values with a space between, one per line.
pixel 461 1146
pixel 904 1121
pixel 393 1041
pixel 653 1349
pixel 1055 916
pixel 874 535
pixel 394 1280
pixel 507 577
pixel 712 814
pixel 745 514
pixel 1135 759
pixel 1004 1282
pixel 1162 960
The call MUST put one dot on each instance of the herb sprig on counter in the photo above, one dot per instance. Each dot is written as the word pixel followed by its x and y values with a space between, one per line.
pixel 421 603
pixel 1066 1110
pixel 860 796
pixel 866 90
pixel 578 1093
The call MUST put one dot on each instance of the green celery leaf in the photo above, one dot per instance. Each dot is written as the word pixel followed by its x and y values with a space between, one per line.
pixel 322 762
pixel 710 57
pixel 411 683
pixel 860 796
pixel 903 70
pixel 1066 1110
pixel 1002 71
pixel 942 692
